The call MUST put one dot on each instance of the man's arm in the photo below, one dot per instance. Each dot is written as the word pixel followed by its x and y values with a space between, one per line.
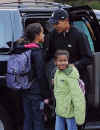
pixel 86 54
pixel 49 45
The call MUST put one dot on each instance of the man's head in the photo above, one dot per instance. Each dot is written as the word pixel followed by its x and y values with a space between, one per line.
pixel 60 20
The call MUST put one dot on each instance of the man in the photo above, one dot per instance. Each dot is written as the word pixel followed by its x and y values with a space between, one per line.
pixel 65 36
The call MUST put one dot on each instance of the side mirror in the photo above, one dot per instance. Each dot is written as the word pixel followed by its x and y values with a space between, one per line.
pixel 10 44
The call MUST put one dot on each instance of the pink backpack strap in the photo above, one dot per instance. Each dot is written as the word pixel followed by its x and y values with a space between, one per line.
pixel 31 45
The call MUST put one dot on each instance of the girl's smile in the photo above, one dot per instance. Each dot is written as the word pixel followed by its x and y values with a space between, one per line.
pixel 62 62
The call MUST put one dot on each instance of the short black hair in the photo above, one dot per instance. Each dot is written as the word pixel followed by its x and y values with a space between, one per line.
pixel 61 52
pixel 32 30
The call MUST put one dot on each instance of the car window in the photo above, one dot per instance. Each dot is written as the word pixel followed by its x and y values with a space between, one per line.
pixel 10 27
pixel 97 13
pixel 5 29
pixel 16 24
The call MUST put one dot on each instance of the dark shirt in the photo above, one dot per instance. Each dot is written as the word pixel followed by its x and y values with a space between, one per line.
pixel 75 42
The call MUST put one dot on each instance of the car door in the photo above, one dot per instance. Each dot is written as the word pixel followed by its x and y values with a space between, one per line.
pixel 86 14
pixel 10 30
pixel 85 20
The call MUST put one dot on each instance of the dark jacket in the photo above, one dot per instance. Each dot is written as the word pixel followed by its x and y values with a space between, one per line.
pixel 40 85
pixel 75 42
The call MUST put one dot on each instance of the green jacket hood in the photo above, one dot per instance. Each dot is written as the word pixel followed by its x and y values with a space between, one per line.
pixel 72 72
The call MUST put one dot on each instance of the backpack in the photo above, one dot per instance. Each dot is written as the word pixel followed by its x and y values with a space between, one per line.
pixel 18 71
pixel 82 85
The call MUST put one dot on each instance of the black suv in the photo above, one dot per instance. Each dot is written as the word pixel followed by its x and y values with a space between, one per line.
pixel 14 17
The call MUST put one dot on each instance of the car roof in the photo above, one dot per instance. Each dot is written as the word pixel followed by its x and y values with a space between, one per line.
pixel 97 12
pixel 33 5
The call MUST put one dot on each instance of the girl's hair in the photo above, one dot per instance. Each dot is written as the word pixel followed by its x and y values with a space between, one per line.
pixel 61 52
pixel 32 30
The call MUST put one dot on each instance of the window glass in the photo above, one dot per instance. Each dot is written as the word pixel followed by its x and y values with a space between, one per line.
pixel 16 24
pixel 5 29
pixel 10 27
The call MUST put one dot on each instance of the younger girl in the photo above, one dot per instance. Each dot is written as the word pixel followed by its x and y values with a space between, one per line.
pixel 70 101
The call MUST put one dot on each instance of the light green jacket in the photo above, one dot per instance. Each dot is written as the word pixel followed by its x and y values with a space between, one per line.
pixel 70 101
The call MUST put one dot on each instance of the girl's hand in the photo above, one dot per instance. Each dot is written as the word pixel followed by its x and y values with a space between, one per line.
pixel 52 81
pixel 46 101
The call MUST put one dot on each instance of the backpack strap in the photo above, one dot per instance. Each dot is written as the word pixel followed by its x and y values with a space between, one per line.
pixel 32 45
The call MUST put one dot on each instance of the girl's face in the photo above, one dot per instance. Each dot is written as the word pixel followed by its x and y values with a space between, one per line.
pixel 61 62
pixel 41 35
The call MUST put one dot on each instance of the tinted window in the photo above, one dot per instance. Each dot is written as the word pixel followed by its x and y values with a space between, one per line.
pixel 10 26
pixel 5 29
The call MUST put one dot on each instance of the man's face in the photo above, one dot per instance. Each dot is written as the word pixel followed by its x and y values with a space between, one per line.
pixel 62 25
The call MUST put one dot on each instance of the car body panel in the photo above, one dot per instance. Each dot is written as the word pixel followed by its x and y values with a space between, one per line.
pixel 97 13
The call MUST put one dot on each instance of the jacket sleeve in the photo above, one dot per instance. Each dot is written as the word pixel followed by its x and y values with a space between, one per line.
pixel 49 45
pixel 39 67
pixel 78 100
pixel 86 54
